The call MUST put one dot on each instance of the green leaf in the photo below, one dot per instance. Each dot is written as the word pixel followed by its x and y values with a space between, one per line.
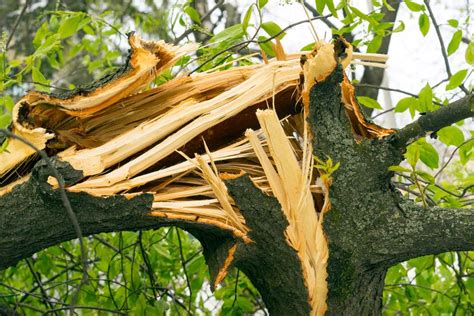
pixel 399 28
pixel 363 16
pixel 369 102
pixel 426 99
pixel 193 14
pixel 267 46
pixel 456 80
pixel 262 3
pixel 246 20
pixel 88 30
pixel 428 154
pixel 273 29
pixel 455 41
pixel 5 119
pixel 454 23
pixel 466 151
pixel 412 154
pixel 413 6
pixel 425 175
pixel 469 55
pixel 231 33
pixel 69 26
pixel 8 103
pixel 38 77
pixel 308 47
pixel 451 135
pixel 406 103
pixel 398 169
pixel 388 6
pixel 331 7
pixel 374 44
pixel 424 24
pixel 320 4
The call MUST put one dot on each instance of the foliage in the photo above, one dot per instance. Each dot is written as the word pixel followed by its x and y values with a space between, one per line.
pixel 144 272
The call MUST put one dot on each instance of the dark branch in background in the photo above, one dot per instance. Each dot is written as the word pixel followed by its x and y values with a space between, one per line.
pixel 374 76
pixel 183 264
pixel 465 40
pixel 67 206
pixel 15 26
pixel 451 157
pixel 149 267
pixel 393 90
pixel 433 121
pixel 441 43
pixel 38 281
pixel 236 288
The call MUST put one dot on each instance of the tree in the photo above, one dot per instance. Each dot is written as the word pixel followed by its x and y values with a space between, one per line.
pixel 268 222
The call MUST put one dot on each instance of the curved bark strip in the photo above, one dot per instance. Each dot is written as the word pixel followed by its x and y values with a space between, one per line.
pixel 32 114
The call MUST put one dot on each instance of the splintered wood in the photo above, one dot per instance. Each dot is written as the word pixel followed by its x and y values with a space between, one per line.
pixel 128 141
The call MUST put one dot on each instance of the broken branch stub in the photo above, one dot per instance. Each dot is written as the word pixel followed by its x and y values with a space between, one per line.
pixel 127 142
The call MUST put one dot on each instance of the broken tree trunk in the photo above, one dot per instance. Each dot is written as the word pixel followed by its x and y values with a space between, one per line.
pixel 228 156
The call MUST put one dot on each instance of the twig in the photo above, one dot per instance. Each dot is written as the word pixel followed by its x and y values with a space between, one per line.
pixel 383 112
pixel 17 21
pixel 149 268
pixel 95 308
pixel 235 288
pixel 183 264
pixel 404 187
pixel 441 43
pixel 65 270
pixel 37 279
pixel 317 14
pixel 368 85
pixel 253 41
pixel 204 18
pixel 67 206
pixel 451 157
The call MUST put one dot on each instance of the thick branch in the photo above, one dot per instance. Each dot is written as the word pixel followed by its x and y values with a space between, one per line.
pixel 422 232
pixel 433 121
pixel 33 218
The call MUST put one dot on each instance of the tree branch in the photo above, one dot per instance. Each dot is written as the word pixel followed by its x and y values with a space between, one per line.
pixel 32 218
pixel 441 43
pixel 433 121
pixel 424 231
pixel 367 85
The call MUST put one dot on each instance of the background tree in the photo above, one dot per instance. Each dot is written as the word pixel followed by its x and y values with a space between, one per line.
pixel 78 40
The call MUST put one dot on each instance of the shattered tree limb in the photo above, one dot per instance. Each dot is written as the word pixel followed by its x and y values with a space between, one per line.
pixel 228 156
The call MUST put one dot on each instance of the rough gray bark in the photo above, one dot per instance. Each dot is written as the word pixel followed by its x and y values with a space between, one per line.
pixel 433 121
pixel 370 225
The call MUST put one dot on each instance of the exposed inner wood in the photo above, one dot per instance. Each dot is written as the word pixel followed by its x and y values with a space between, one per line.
pixel 182 140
